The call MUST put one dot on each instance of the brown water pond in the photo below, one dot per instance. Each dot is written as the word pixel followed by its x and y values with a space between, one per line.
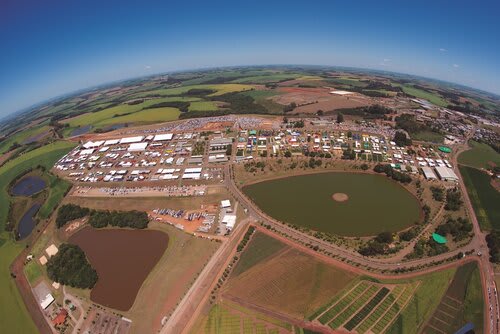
pixel 123 259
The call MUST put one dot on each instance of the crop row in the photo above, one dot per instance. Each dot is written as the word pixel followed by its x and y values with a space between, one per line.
pixel 347 313
pixel 344 302
pixel 394 310
pixel 351 324
pixel 380 310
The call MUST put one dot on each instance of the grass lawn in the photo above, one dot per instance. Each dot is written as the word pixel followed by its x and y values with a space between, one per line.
pixel 13 314
pixel 14 317
pixel 484 197
pixel 57 189
pixel 33 271
pixel 480 156
pixel 428 136
pixel 306 200
pixel 473 303
pixel 154 115
pixel 261 247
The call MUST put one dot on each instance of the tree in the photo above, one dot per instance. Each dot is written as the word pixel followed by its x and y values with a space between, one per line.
pixel 70 267
pixel 288 154
pixel 340 118
pixel 69 212
pixel 384 237
pixel 364 167
pixel 401 139
pixel 320 112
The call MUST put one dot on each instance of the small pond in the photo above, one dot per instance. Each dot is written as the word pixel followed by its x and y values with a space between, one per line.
pixel 81 130
pixel 28 186
pixel 27 222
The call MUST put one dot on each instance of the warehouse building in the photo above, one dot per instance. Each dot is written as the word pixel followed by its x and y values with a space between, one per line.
pixel 428 173
pixel 446 174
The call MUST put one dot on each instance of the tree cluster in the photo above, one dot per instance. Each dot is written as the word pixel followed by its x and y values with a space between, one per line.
pixel 69 212
pixel 181 105
pixel 377 246
pixel 437 193
pixel 453 200
pixel 493 241
pixel 133 219
pixel 70 267
pixel 392 173
pixel 245 239
pixel 401 139
pixel 458 228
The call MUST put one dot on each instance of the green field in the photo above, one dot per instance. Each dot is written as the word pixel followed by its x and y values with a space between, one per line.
pixel 480 156
pixel 261 247
pixel 203 106
pixel 219 89
pixel 428 136
pixel 307 201
pixel 484 197
pixel 22 136
pixel 423 303
pixel 462 303
pixel 13 314
pixel 154 115
pixel 433 98
pixel 112 115
pixel 263 79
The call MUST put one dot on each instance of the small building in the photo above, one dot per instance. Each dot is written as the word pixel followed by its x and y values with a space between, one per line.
pixel 46 301
pixel 446 173
pixel 163 137
pixel 51 250
pixel 229 221
pixel 43 260
pixel 130 140
pixel 428 173
pixel 220 144
pixel 60 317
pixel 225 204
pixel 137 147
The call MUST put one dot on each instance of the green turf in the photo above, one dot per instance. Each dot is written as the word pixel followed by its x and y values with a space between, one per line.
pixel 33 271
pixel 307 201
pixel 480 156
pixel 261 247
pixel 484 197
pixel 14 317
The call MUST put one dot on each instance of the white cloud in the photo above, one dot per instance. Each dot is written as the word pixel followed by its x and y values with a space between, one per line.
pixel 456 65
pixel 443 50
pixel 147 67
pixel 385 62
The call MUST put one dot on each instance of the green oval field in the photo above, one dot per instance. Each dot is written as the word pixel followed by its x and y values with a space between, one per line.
pixel 374 203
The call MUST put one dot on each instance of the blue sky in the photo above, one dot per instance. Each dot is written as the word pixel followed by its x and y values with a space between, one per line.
pixel 53 47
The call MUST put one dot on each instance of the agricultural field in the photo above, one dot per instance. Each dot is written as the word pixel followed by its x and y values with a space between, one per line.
pixel 13 313
pixel 263 79
pixel 203 106
pixel 227 317
pixel 25 137
pixel 434 98
pixel 462 303
pixel 479 156
pixel 368 306
pixel 484 197
pixel 296 285
pixel 287 281
pixel 428 136
pixel 219 89
pixel 307 201
pixel 154 115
